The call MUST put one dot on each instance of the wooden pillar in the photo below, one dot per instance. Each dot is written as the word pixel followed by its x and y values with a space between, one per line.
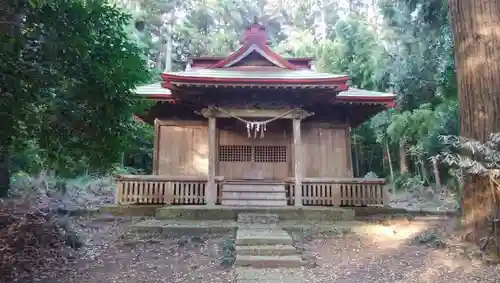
pixel 156 147
pixel 297 150
pixel 211 188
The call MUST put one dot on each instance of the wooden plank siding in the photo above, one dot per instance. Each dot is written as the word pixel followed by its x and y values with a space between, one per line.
pixel 278 133
pixel 325 149
pixel 182 148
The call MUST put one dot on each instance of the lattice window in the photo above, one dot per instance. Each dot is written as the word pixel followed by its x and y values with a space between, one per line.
pixel 235 153
pixel 270 153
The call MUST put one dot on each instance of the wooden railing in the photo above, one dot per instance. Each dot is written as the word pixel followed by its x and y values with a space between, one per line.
pixel 159 189
pixel 341 192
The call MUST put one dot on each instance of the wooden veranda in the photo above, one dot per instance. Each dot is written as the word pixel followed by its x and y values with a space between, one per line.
pixel 182 190
pixel 210 145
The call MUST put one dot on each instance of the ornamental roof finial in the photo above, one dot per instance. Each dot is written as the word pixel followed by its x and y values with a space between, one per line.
pixel 256 33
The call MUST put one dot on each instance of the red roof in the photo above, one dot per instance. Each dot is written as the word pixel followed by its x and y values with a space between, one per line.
pixel 203 62
pixel 350 96
pixel 253 64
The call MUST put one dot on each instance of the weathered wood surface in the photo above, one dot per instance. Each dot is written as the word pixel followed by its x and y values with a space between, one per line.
pixel 297 161
pixel 182 149
pixel 212 164
pixel 235 135
pixel 380 181
pixel 156 145
pixel 165 178
pixel 253 194
pixel 337 192
pixel 161 189
pixel 292 113
pixel 325 150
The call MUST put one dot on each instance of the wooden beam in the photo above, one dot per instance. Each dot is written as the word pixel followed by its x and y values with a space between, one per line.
pixel 156 147
pixel 297 113
pixel 326 125
pixel 166 178
pixel 348 151
pixel 297 147
pixel 183 123
pixel 211 189
pixel 340 180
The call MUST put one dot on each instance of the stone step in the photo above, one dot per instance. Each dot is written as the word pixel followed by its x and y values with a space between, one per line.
pixel 269 236
pixel 253 188
pixel 270 275
pixel 229 226
pixel 260 202
pixel 266 250
pixel 254 195
pixel 258 218
pixel 230 213
pixel 267 261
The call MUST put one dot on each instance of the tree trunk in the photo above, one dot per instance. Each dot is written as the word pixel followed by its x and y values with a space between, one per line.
pixel 356 156
pixel 423 169
pixel 403 159
pixel 10 26
pixel 389 160
pixel 475 25
pixel 159 60
pixel 168 48
pixel 4 172
pixel 435 170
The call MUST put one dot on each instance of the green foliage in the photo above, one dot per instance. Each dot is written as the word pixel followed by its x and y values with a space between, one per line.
pixel 370 175
pixel 66 94
pixel 406 182
pixel 140 152
pixel 470 156
pixel 83 97
pixel 407 50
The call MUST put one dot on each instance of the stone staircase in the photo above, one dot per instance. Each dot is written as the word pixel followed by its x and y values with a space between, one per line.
pixel 261 243
pixel 259 194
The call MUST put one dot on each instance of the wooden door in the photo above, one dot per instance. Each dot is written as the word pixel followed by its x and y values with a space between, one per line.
pixel 241 157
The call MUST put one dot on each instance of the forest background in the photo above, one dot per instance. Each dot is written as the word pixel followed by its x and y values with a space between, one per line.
pixel 398 46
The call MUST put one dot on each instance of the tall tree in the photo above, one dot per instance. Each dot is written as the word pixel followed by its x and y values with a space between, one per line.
pixel 10 51
pixel 66 81
pixel 475 26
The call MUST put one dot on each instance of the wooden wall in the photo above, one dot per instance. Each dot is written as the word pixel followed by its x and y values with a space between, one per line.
pixel 278 133
pixel 326 150
pixel 181 149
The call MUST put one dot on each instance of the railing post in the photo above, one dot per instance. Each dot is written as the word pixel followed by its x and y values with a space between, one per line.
pixel 386 197
pixel 168 193
pixel 156 147
pixel 211 188
pixel 297 150
pixel 118 191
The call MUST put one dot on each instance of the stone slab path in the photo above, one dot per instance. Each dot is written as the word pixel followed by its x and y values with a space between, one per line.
pixel 261 243
pixel 252 275
pixel 369 252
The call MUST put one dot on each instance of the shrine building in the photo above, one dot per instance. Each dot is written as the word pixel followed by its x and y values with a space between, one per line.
pixel 255 129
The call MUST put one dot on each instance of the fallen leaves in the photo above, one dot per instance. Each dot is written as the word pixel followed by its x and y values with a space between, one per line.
pixel 32 244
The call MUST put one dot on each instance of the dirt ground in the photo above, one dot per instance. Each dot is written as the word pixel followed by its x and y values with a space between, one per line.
pixel 397 251
pixel 376 251
pixel 111 254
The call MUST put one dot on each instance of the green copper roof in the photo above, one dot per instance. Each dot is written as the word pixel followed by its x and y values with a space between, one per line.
pixel 353 92
pixel 257 74
pixel 151 89
pixel 157 89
